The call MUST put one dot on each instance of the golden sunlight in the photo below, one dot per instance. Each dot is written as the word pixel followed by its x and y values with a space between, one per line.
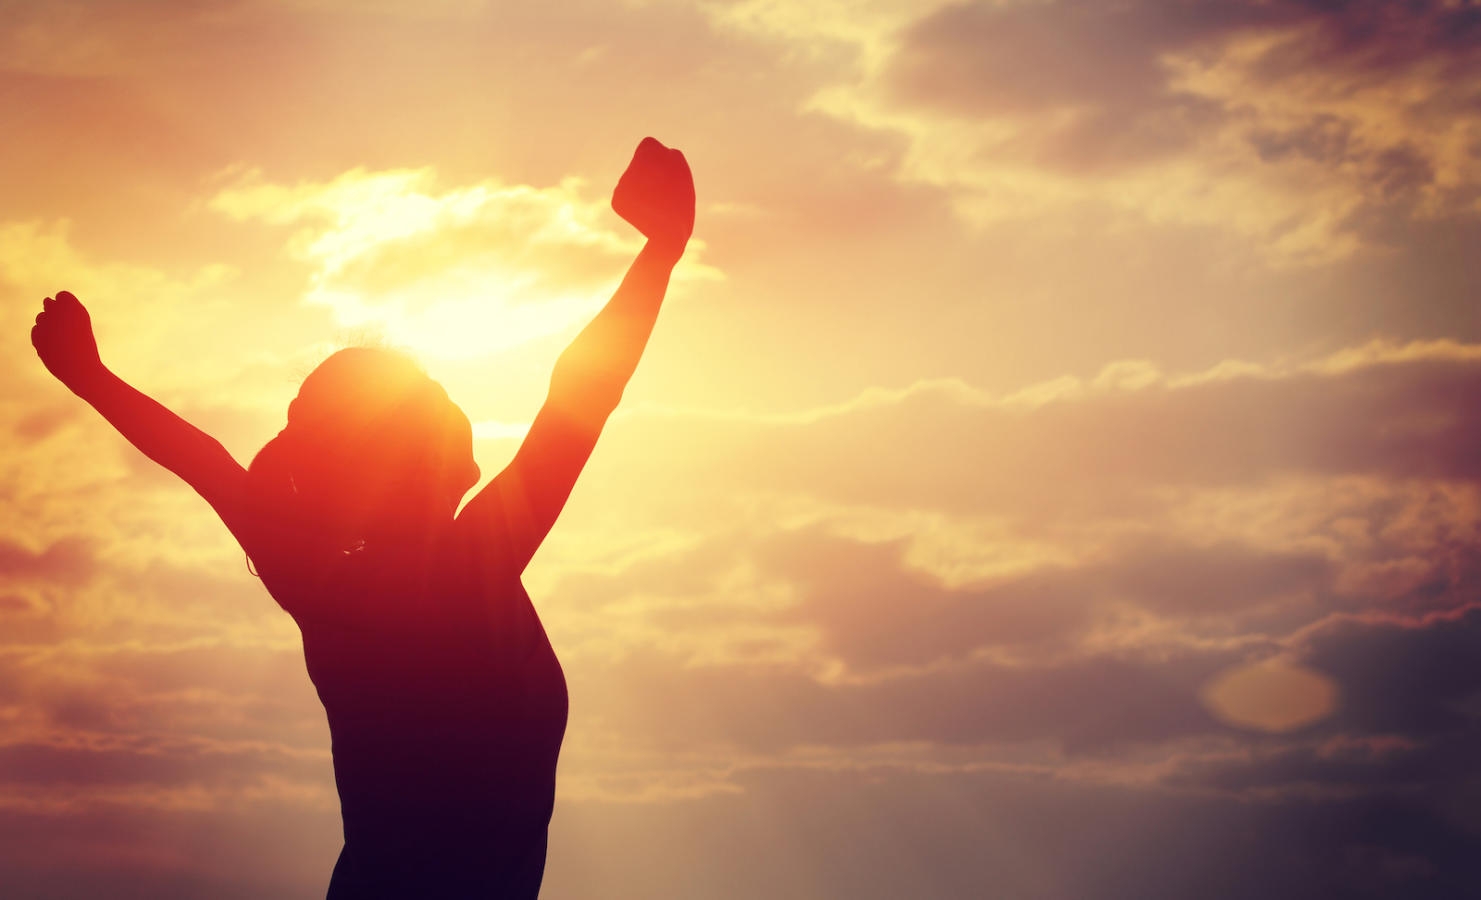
pixel 447 274
pixel 461 317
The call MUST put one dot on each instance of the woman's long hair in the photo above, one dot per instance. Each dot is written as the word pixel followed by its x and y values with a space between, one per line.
pixel 370 438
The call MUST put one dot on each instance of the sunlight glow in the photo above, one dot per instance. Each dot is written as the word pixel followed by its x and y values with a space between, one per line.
pixel 460 322
pixel 465 272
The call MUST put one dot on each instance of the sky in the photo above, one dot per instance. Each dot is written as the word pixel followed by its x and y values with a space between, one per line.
pixel 1055 474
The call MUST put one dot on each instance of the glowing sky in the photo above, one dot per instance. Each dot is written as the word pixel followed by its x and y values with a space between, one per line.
pixel 1056 473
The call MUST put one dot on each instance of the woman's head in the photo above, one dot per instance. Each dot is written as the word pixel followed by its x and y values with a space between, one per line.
pixel 372 445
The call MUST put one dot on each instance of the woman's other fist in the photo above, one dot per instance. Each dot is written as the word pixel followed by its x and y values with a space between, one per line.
pixel 656 194
pixel 63 338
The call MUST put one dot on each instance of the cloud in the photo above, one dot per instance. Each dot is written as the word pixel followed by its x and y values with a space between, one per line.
pixel 140 852
pixel 837 615
pixel 470 270
pixel 1364 794
pixel 1289 125
pixel 960 834
pixel 50 767
pixel 1065 448
pixel 874 609
pixel 35 254
pixel 180 331
pixel 816 578
pixel 68 561
pixel 1086 705
pixel 1436 654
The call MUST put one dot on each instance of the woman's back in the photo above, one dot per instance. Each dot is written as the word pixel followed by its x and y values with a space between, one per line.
pixel 446 707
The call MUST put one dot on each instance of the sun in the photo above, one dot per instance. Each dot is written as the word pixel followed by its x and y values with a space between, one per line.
pixel 451 272
pixel 458 316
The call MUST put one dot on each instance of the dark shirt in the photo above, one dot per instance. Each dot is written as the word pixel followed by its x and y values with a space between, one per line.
pixel 446 707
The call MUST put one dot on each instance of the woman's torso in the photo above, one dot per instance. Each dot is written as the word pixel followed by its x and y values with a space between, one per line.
pixel 446 708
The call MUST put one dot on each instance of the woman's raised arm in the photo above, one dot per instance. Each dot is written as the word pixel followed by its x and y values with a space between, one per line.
pixel 63 338
pixel 517 509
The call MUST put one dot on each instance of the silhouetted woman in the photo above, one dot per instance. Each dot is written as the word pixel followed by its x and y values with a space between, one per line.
pixel 446 704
